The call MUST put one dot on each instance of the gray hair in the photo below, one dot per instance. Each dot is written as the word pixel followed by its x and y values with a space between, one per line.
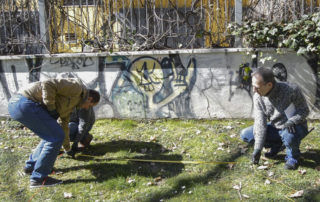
pixel 266 74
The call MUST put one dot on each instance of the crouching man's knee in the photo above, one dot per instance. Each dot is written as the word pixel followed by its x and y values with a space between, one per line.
pixel 247 135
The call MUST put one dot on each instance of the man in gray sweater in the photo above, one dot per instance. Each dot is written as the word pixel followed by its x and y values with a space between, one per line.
pixel 280 112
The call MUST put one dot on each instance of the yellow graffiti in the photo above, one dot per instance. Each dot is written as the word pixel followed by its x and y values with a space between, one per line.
pixel 147 77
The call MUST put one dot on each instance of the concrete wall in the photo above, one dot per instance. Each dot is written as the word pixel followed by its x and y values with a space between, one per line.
pixel 163 84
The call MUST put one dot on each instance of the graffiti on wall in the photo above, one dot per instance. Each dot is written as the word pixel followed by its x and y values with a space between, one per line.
pixel 143 87
pixel 245 78
pixel 4 83
pixel 148 85
pixel 172 85
pixel 74 62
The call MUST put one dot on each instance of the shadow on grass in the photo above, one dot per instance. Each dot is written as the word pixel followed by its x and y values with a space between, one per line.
pixel 107 168
pixel 101 149
pixel 312 195
pixel 189 182
pixel 309 159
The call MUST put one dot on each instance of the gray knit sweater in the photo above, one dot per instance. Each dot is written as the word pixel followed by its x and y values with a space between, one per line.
pixel 272 108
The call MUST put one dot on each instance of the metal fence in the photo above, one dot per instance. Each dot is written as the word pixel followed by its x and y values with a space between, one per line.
pixel 56 26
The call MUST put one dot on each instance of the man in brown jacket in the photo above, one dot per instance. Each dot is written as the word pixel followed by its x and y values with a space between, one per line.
pixel 45 109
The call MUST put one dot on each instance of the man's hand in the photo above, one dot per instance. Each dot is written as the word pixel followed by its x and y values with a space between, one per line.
pixel 256 156
pixel 289 125
pixel 73 151
pixel 54 114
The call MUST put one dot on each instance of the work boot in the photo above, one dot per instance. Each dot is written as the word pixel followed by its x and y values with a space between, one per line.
pixel 291 164
pixel 44 182
pixel 274 151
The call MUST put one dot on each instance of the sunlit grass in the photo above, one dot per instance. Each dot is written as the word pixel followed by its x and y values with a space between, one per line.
pixel 104 173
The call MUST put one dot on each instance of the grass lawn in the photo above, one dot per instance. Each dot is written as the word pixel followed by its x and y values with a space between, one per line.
pixel 104 172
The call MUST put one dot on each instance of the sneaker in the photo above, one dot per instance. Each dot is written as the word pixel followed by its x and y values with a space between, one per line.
pixel 274 151
pixel 28 171
pixel 291 164
pixel 46 182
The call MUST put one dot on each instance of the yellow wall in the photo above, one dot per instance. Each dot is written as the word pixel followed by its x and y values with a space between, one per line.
pixel 214 15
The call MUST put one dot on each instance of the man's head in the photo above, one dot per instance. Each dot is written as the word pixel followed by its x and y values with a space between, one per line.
pixel 262 81
pixel 92 100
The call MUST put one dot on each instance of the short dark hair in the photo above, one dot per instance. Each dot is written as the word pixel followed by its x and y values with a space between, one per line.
pixel 95 95
pixel 265 73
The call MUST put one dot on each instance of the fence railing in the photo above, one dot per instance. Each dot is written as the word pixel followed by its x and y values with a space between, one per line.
pixel 56 26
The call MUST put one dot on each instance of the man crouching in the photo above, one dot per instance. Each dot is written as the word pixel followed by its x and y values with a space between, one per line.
pixel 285 107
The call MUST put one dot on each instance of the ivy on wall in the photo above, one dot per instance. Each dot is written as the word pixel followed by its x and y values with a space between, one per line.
pixel 302 36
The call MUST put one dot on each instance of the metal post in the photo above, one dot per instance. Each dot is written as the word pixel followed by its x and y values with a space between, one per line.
pixel 238 20
pixel 44 34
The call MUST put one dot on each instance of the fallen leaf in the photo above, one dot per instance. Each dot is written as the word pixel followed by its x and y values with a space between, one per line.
pixel 130 181
pixel 297 194
pixel 262 167
pixel 153 138
pixel 150 183
pixel 237 187
pixel 67 195
pixel 220 148
pixel 157 179
pixel 233 135
pixel 245 196
pixel 308 147
pixel 243 150
pixel 267 182
pixel 270 173
pixel 302 172
pixel 318 168
pixel 221 144
pixel 228 127
pixel 266 163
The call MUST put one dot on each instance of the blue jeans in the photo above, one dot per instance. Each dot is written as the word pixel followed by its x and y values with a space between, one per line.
pixel 276 137
pixel 35 117
pixel 74 130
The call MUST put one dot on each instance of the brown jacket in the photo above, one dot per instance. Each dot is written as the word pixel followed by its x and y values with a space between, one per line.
pixel 62 95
